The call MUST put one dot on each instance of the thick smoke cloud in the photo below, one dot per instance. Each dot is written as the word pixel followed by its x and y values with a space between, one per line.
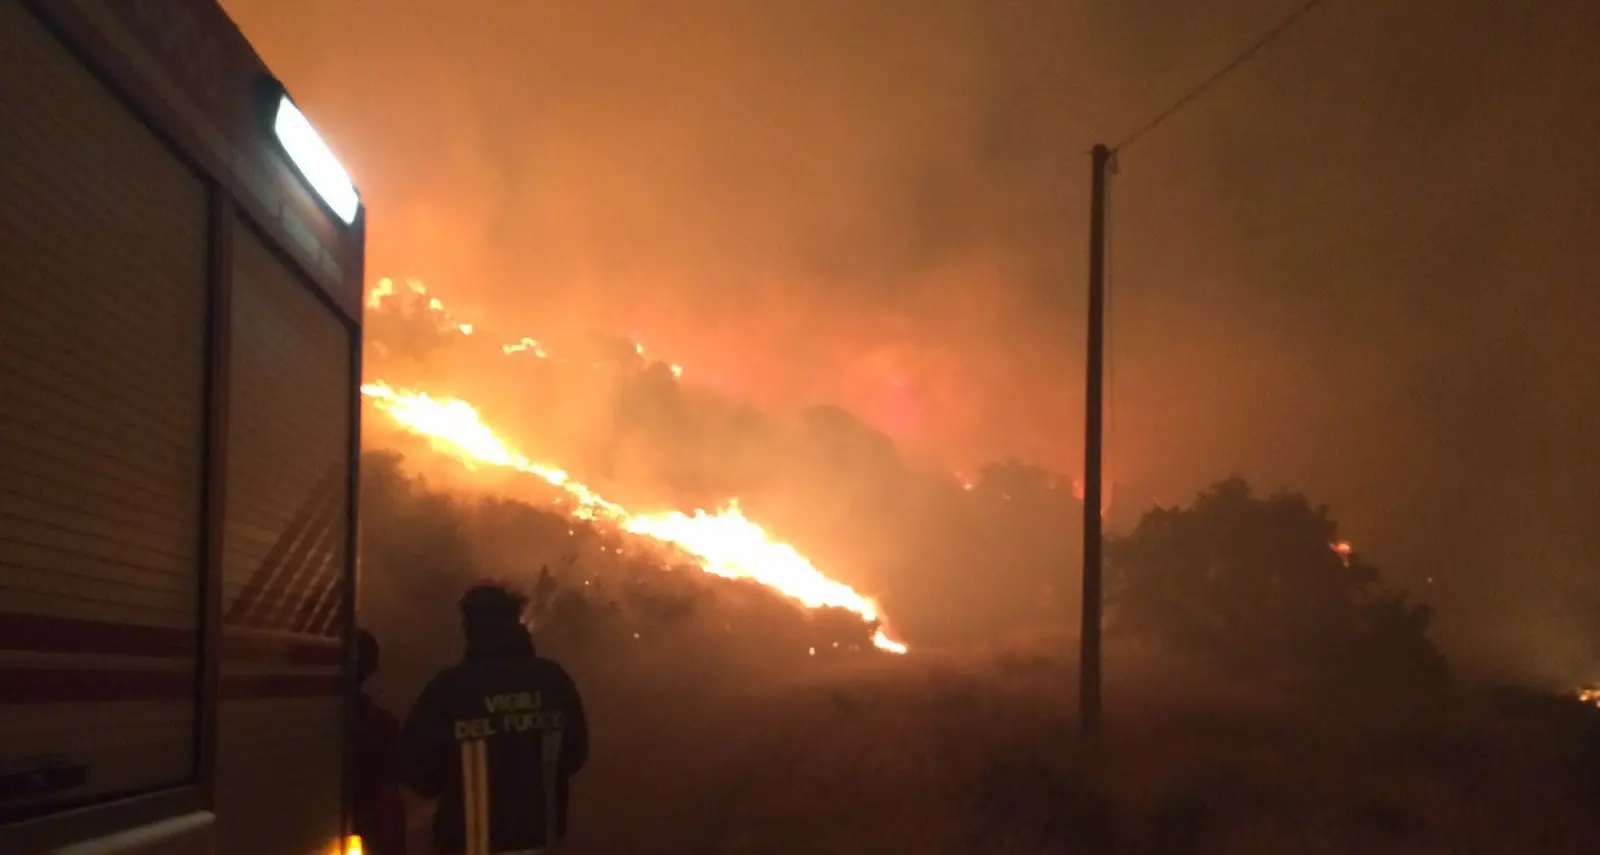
pixel 1364 266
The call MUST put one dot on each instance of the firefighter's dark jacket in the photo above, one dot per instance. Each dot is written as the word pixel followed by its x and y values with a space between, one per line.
pixel 516 789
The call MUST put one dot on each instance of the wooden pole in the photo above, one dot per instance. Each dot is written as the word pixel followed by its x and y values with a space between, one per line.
pixel 1093 440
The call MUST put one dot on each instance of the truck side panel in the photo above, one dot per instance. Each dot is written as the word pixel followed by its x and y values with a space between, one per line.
pixel 179 351
pixel 103 351
pixel 280 726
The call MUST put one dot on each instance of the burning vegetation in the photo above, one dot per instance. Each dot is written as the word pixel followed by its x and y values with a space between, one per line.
pixel 725 543
pixel 599 597
pixel 1248 584
pixel 1250 642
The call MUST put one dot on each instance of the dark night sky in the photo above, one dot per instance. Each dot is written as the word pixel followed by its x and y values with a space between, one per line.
pixel 1365 265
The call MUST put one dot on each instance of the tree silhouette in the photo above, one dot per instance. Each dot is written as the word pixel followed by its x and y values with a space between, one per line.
pixel 1029 532
pixel 1264 587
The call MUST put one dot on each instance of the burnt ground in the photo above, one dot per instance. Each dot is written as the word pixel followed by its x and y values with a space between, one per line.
pixel 935 754
pixel 868 759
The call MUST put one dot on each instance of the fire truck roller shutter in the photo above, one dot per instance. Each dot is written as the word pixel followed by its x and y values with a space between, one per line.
pixel 280 726
pixel 103 298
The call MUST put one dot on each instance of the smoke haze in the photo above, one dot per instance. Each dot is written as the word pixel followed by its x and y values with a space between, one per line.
pixel 1364 266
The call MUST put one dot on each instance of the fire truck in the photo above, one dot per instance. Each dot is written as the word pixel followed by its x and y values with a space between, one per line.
pixel 180 338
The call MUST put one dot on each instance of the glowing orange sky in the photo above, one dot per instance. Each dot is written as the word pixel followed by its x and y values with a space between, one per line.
pixel 1364 267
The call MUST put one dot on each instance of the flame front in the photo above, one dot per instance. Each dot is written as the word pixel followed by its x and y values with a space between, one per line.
pixel 385 289
pixel 417 298
pixel 727 543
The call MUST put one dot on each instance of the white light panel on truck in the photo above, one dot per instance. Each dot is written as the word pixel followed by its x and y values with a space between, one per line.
pixel 315 160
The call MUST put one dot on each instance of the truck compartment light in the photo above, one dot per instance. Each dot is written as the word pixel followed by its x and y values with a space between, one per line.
pixel 315 160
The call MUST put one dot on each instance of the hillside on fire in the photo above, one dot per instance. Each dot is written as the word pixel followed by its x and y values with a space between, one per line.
pixel 677 517
pixel 598 596
pixel 1269 692
pixel 606 429
pixel 744 576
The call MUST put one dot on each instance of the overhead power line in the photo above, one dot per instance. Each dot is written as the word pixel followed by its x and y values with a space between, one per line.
pixel 1244 56
pixel 1104 160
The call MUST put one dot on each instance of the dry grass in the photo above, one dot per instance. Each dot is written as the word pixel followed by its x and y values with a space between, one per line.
pixel 976 754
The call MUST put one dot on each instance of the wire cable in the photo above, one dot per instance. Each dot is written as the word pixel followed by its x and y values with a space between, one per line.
pixel 1244 56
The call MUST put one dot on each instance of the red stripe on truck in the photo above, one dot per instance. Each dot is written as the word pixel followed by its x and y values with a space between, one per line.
pixel 245 646
pixel 51 634
pixel 33 633
pixel 26 686
pixel 254 687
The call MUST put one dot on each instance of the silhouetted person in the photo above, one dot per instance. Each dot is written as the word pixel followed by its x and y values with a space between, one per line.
pixel 497 738
pixel 380 814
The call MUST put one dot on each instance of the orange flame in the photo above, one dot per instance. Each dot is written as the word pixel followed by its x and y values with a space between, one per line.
pixel 384 290
pixel 524 344
pixel 727 543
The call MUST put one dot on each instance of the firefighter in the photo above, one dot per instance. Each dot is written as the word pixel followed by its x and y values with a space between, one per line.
pixel 380 813
pixel 496 738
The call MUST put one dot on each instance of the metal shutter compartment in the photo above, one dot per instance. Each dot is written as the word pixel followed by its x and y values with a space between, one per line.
pixel 280 727
pixel 103 297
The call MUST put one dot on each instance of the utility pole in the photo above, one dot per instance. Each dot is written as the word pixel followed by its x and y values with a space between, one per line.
pixel 1094 402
